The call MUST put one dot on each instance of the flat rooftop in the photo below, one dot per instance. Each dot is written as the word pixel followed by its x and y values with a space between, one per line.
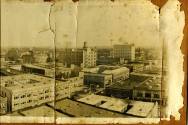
pixel 141 109
pixel 79 109
pixel 25 81
pixel 129 83
pixel 114 104
pixel 150 85
pixel 43 111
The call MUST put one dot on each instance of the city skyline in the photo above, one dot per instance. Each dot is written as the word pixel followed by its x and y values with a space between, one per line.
pixel 72 27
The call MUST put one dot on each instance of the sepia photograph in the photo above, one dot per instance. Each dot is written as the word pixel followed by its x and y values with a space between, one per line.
pixel 90 61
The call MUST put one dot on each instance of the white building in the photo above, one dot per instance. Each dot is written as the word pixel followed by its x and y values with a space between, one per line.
pixel 118 74
pixel 27 90
pixel 89 57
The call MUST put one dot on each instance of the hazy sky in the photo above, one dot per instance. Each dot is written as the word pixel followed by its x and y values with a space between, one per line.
pixel 97 22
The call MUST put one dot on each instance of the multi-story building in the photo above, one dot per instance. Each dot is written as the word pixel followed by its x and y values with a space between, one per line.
pixel 125 51
pixel 29 90
pixel 104 52
pixel 70 56
pixel 39 69
pixel 150 90
pixel 101 80
pixel 124 88
pixel 47 70
pixel 89 57
pixel 3 105
pixel 118 74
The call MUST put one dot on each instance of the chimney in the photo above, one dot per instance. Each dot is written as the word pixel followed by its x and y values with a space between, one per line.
pixel 85 44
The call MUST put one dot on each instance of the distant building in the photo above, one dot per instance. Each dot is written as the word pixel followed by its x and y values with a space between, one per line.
pixel 27 57
pixel 150 90
pixel 70 56
pixel 135 66
pixel 118 74
pixel 38 69
pixel 97 79
pixel 89 56
pixel 125 51
pixel 107 61
pixel 124 88
pixel 104 52
pixel 47 70
pixel 3 105
pixel 29 90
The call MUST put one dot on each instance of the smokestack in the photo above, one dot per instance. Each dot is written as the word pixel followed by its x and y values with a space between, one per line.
pixel 85 44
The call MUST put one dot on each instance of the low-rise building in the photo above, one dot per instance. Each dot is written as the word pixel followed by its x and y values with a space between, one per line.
pixel 38 69
pixel 118 74
pixel 79 109
pixel 135 66
pixel 150 90
pixel 110 103
pixel 124 88
pixel 97 79
pixel 125 106
pixel 3 105
pixel 47 70
pixel 144 109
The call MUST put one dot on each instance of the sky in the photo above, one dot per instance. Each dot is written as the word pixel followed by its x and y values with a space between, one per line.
pixel 98 22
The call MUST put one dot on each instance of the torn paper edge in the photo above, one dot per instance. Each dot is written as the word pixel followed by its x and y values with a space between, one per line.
pixel 172 41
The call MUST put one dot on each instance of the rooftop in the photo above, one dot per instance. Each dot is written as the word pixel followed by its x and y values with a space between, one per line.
pixel 25 81
pixel 151 84
pixel 79 109
pixel 115 71
pixel 141 109
pixel 106 102
pixel 43 111
pixel 132 81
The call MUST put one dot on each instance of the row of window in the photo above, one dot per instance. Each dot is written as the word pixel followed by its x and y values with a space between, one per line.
pixel 22 103
pixel 148 95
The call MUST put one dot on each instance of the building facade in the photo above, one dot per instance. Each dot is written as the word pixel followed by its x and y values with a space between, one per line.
pixel 125 51
pixel 101 80
pixel 118 74
pixel 89 57
pixel 28 90
pixel 70 56
pixel 150 91
pixel 3 105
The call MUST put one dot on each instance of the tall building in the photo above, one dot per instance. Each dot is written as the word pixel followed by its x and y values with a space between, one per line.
pixel 125 51
pixel 89 56
pixel 70 56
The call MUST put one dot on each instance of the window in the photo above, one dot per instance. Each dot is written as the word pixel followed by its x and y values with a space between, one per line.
pixel 28 95
pixel 29 101
pixel 23 96
pixel 16 97
pixel 156 96
pixel 148 95
pixel 139 94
